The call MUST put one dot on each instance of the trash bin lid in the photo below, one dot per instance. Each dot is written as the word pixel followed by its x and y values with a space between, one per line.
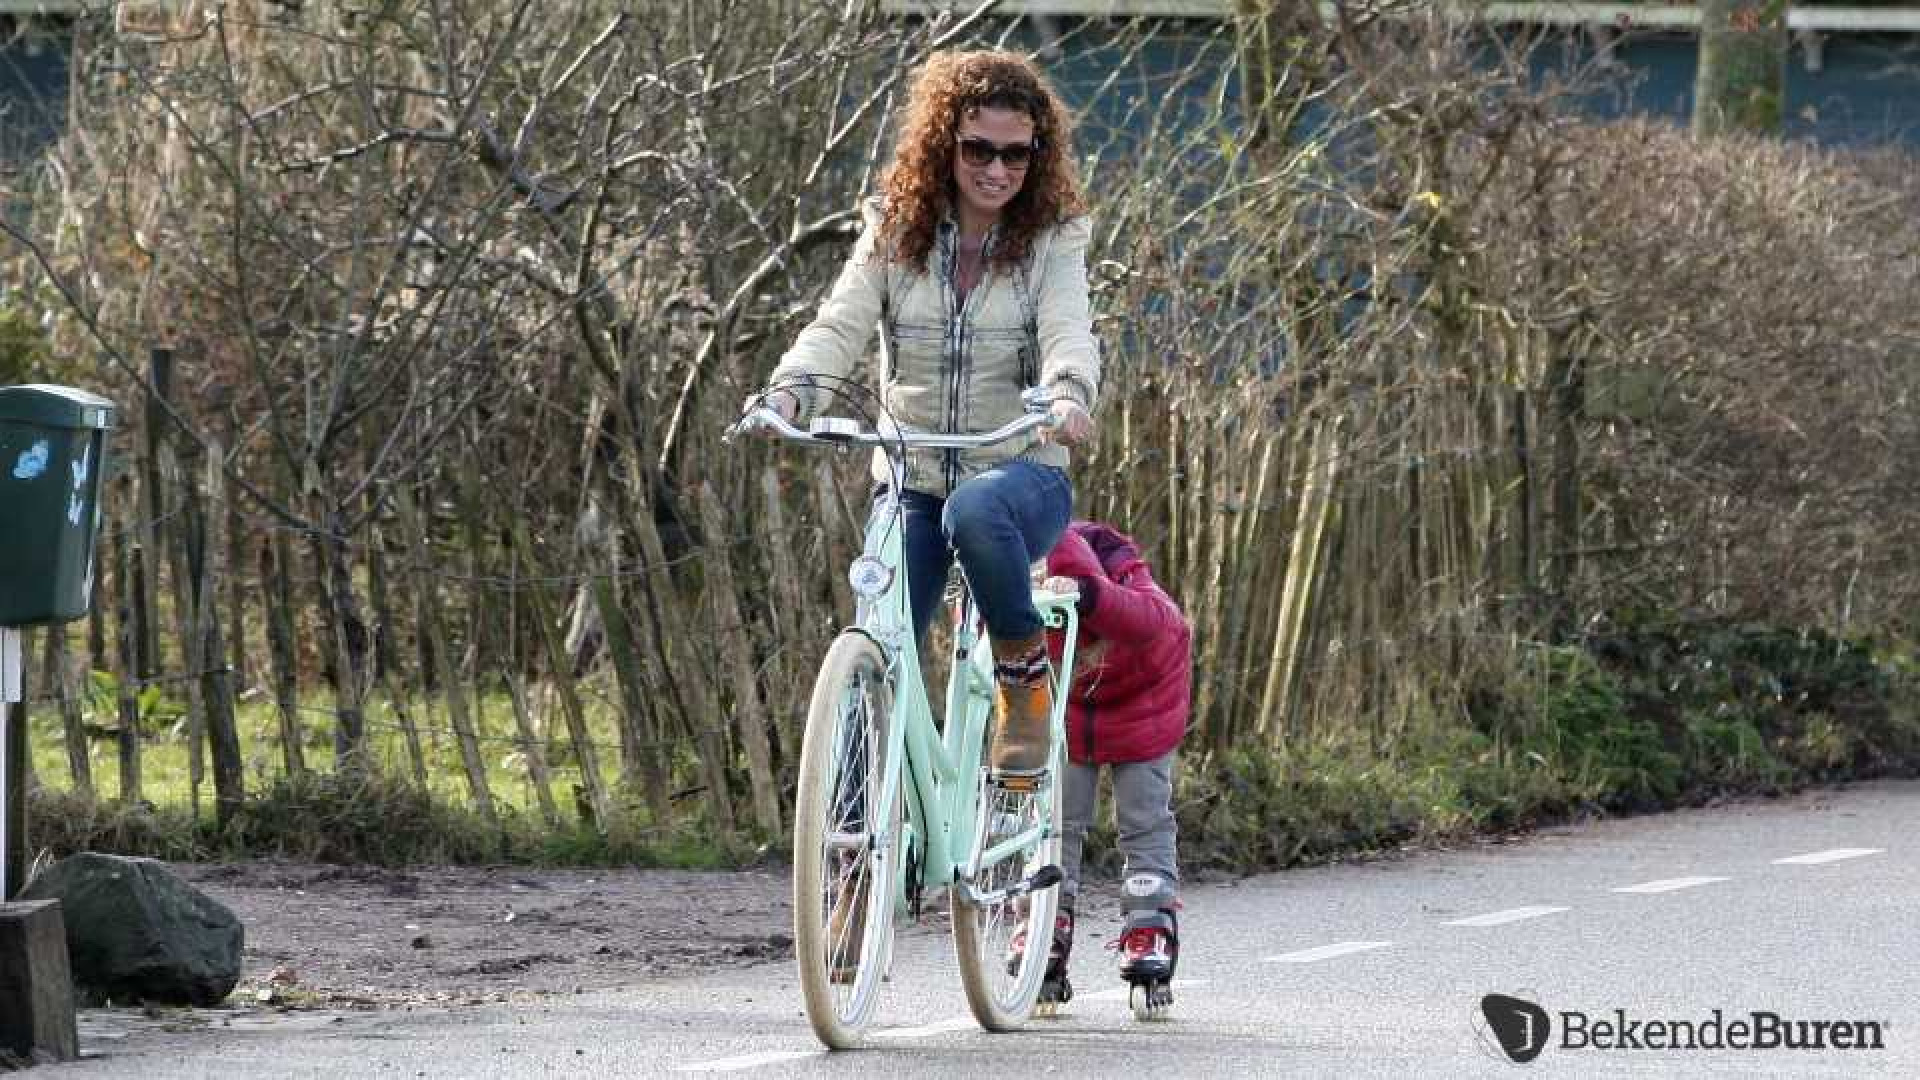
pixel 55 407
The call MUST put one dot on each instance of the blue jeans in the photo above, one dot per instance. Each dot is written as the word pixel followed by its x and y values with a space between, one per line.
pixel 998 523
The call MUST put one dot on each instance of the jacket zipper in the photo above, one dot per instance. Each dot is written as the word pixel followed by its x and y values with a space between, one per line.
pixel 1087 707
pixel 956 333
pixel 949 259
pixel 958 367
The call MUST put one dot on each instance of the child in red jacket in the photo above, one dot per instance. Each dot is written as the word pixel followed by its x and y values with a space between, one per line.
pixel 1127 710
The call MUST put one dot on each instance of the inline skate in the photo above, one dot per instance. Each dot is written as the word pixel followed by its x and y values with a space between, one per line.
pixel 1149 945
pixel 1055 989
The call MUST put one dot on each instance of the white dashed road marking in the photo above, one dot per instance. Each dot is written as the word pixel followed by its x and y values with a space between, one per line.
pixel 1501 918
pixel 958 1023
pixel 1815 858
pixel 748 1061
pixel 1668 885
pixel 1326 952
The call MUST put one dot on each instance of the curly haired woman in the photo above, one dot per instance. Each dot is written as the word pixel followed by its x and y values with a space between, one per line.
pixel 973 265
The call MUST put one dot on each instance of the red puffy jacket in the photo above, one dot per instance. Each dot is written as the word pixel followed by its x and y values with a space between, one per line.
pixel 1133 688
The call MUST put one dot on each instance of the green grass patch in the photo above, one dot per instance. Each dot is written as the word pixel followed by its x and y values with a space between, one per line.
pixel 1638 718
pixel 378 817
pixel 166 773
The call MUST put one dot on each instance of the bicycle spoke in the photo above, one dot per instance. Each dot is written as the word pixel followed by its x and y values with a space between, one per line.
pixel 850 839
pixel 999 935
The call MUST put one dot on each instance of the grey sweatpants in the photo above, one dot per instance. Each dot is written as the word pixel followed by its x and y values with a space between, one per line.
pixel 1142 807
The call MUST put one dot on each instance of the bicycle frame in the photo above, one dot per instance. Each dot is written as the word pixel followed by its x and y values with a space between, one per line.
pixel 936 768
pixel 942 762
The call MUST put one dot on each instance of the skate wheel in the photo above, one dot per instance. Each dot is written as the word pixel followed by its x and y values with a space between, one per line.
pixel 1151 1001
pixel 1053 994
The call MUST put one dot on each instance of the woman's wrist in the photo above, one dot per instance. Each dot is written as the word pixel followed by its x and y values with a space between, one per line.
pixel 1070 388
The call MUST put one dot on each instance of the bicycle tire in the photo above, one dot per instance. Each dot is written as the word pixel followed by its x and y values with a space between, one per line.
pixel 1003 1000
pixel 829 858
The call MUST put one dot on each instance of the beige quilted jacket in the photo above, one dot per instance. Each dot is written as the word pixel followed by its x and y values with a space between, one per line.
pixel 950 369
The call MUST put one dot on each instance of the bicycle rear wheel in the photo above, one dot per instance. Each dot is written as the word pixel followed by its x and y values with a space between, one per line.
pixel 842 840
pixel 1001 980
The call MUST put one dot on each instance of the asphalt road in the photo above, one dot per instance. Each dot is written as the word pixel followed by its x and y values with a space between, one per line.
pixel 1803 909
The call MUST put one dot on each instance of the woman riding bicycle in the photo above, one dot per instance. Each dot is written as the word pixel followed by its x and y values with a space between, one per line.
pixel 973 265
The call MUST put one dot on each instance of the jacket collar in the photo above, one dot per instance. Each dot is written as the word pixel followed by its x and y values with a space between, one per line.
pixel 947 232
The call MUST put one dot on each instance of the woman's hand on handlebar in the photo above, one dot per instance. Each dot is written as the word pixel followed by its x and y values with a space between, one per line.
pixel 783 402
pixel 1071 424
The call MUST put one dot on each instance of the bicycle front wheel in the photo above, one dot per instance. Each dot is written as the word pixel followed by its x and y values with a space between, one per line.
pixel 1002 945
pixel 842 840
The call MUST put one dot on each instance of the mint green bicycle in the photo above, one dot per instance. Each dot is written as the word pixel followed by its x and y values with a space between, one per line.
pixel 891 804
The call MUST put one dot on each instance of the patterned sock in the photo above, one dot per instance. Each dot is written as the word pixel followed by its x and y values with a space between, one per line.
pixel 1027 670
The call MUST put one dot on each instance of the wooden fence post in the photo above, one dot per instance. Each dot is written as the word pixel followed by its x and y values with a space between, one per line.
pixel 276 587
pixel 560 675
pixel 36 984
pixel 59 668
pixel 750 711
pixel 127 587
pixel 413 523
pixel 215 676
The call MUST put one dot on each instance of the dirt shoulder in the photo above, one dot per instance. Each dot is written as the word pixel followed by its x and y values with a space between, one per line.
pixel 318 934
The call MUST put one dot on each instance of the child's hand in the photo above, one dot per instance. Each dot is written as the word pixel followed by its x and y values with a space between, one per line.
pixel 1062 585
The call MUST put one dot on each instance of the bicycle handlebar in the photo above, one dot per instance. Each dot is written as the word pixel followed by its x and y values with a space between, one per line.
pixel 832 431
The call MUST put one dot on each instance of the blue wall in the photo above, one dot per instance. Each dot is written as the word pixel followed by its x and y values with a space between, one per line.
pixel 33 95
pixel 1866 93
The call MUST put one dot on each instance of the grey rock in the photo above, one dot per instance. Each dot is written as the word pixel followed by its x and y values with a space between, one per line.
pixel 137 932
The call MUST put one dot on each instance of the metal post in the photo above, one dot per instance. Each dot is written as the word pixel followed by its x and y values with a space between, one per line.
pixel 13 759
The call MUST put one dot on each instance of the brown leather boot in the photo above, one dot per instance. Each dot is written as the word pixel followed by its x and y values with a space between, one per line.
pixel 846 927
pixel 1025 701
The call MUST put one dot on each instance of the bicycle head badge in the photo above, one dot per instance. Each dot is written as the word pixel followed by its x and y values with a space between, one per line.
pixel 869 577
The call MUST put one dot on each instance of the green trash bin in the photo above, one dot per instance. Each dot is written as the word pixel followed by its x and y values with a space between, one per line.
pixel 53 446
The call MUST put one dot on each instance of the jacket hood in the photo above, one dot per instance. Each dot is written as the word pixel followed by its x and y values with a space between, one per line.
pixel 1119 555
pixel 1073 557
pixel 1088 547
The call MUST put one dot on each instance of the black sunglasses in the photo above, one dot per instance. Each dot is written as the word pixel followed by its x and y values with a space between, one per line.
pixel 980 153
